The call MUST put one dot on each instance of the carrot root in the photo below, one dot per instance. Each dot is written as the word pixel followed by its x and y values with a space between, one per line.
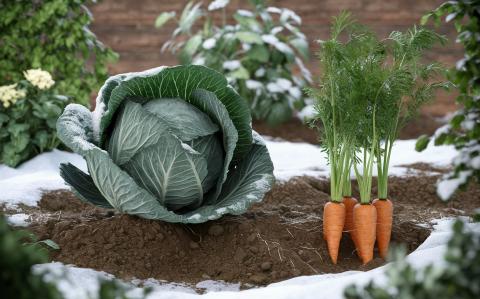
pixel 365 224
pixel 349 203
pixel 333 222
pixel 384 209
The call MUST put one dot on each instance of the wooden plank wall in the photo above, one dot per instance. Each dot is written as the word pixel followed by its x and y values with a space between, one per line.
pixel 127 27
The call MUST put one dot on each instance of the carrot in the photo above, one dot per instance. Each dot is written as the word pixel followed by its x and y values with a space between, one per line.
pixel 384 209
pixel 349 203
pixel 333 221
pixel 365 224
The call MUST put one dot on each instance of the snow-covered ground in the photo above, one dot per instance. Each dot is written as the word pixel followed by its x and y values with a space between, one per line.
pixel 25 184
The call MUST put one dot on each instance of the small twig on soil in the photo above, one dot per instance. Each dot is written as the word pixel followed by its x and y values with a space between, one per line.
pixel 266 244
pixel 290 233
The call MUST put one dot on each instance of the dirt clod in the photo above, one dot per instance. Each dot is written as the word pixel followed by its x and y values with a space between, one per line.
pixel 215 230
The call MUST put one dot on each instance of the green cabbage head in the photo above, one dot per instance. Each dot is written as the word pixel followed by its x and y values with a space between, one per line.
pixel 171 143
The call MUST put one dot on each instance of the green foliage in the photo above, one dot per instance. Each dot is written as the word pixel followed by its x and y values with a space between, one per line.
pixel 257 54
pixel 173 144
pixel 16 260
pixel 52 35
pixel 409 83
pixel 28 119
pixel 463 131
pixel 458 278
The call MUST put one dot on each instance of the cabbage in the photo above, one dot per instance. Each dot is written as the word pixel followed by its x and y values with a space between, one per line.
pixel 172 143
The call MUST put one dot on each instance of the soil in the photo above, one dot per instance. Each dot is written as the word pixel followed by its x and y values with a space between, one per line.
pixel 275 240
pixel 296 131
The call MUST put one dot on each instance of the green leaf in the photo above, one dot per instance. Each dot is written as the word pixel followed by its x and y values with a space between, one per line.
pixel 279 112
pixel 245 185
pixel 211 150
pixel 258 53
pixel 183 119
pixel 249 37
pixel 50 243
pixel 83 186
pixel 208 103
pixel 301 45
pixel 240 73
pixel 122 192
pixel 189 49
pixel 74 128
pixel 163 18
pixel 170 170
pixel 422 143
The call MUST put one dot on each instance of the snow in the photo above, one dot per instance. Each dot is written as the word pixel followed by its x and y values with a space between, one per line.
pixel 25 183
pixel 79 283
pixel 297 159
pixel 253 84
pixel 209 43
pixel 218 4
pixel 307 113
pixel 260 72
pixel 231 65
pixel 18 219
pixel 448 186
pixel 245 13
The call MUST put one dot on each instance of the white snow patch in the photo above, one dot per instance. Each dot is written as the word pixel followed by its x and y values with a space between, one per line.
pixel 18 219
pixel 245 13
pixel 272 9
pixel 307 113
pixel 26 183
pixel 253 84
pixel 447 187
pixel 218 4
pixel 260 72
pixel 231 65
pixel 209 43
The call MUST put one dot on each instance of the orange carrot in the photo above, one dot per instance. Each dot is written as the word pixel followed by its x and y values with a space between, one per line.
pixel 365 224
pixel 384 224
pixel 349 203
pixel 333 221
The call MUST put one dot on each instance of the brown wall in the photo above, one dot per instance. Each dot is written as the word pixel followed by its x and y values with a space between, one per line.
pixel 127 27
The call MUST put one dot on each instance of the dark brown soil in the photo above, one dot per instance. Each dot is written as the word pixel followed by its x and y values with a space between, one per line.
pixel 295 131
pixel 277 239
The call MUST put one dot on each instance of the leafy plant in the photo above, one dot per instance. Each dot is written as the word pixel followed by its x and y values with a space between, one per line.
pixel 52 35
pixel 29 110
pixel 257 53
pixel 172 143
pixel 463 130
pixel 16 260
pixel 458 278
pixel 407 85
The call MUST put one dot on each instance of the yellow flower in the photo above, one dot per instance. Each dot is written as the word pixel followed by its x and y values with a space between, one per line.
pixel 39 78
pixel 9 94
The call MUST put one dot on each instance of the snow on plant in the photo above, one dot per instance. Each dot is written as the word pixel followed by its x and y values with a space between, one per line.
pixel 28 113
pixel 463 130
pixel 172 143
pixel 257 53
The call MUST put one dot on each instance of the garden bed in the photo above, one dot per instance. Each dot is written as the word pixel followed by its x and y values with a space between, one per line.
pixel 277 239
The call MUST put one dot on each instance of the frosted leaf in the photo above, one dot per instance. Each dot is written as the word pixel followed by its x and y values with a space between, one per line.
pixel 260 72
pixel 273 87
pixel 270 39
pixel 246 47
pixel 245 13
pixel 295 92
pixel 288 14
pixel 231 65
pixel 199 60
pixel 272 9
pixel 276 30
pixel 209 43
pixel 253 84
pixel 218 4
pixel 285 84
pixel 447 187
pixel 305 72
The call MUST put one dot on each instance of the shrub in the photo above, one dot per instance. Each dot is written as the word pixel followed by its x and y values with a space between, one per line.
pixel 463 130
pixel 257 53
pixel 52 35
pixel 172 143
pixel 29 110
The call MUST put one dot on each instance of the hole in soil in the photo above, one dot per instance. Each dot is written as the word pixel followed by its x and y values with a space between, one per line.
pixel 276 240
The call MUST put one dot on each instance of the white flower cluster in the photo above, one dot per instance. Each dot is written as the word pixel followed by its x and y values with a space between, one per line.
pixel 9 94
pixel 39 78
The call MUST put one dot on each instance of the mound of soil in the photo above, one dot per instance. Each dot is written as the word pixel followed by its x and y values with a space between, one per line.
pixel 277 239
pixel 296 131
